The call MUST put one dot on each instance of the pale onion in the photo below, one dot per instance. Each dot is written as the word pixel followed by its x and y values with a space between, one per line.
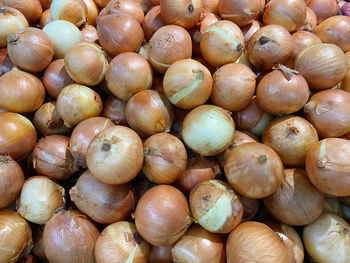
pixel 128 7
pixel 45 18
pixel 74 11
pixel 152 22
pixel 303 39
pixel 31 9
pixel 114 109
pixel 310 22
pixel 89 33
pixel 323 8
pixel 92 12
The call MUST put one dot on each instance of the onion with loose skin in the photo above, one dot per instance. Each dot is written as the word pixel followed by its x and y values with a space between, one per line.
pixel 328 165
pixel 120 242
pixel 115 155
pixel 329 112
pixel 152 22
pixel 328 239
pixel 303 39
pixel 89 33
pixel 45 18
pixel 15 235
pixel 11 180
pixel 128 7
pixel 107 204
pixel 70 237
pixel 114 109
pixel 257 243
pixel 17 135
pixel 31 9
pixel 162 221
pixel 83 134
pixel 30 49
pixel 5 62
pixel 76 103
pixel 160 254
pixel 74 11
pixel 310 22
pixel 92 12
pixel 323 8
pixel 254 170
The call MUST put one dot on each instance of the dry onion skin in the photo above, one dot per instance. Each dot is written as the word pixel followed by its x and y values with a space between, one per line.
pixel 327 165
pixel 70 237
pixel 327 239
pixel 31 9
pixel 162 221
pixel 323 8
pixel 128 7
pixel 15 235
pixel 296 202
pixel 255 242
pixel 310 22
pixel 74 11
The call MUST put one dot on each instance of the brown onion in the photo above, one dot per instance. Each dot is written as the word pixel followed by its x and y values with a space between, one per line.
pixel 152 22
pixel 92 12
pixel 15 236
pixel 5 62
pixel 115 155
pixel 323 8
pixel 114 109
pixel 210 6
pixel 251 207
pixel 11 180
pixel 45 4
pixel 128 7
pixel 257 243
pixel 107 204
pixel 17 135
pixel 333 205
pixel 303 39
pixel 89 33
pixel 249 29
pixel 329 112
pixel 31 9
pixel 70 237
pixel 74 11
pixel 45 18
pixel 310 22
pixel 146 5
pixel 254 170
pixel 160 254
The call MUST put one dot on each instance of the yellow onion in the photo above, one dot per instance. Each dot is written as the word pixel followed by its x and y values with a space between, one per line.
pixel 31 9
pixel 45 18
pixel 146 5
pixel 92 12
pixel 210 6
pixel 76 103
pixel 249 29
pixel 323 8
pixel 120 242
pixel 15 235
pixel 345 84
pixel 328 239
pixel 114 109
pixel 208 130
pixel 303 39
pixel 74 11
pixel 310 22
pixel 102 3
pixel 187 84
pixel 128 7
pixel 152 22
pixel 89 33
pixel 160 254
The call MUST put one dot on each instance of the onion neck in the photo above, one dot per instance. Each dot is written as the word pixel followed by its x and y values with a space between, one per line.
pixel 287 72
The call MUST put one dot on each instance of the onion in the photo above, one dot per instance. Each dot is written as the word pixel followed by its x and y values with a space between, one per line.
pixel 160 254
pixel 115 155
pixel 335 30
pixel 17 135
pixel 210 6
pixel 107 204
pixel 254 170
pixel 38 249
pixel 76 103
pixel 327 239
pixel 128 74
pixel 45 18
pixel 11 20
pixel 92 12
pixel 199 245
pixel 169 44
pixel 11 180
pixel 257 243
pixel 31 9
pixel 83 134
pixel 296 202
pixel 303 39
pixel 323 8
pixel 70 237
pixel 329 112
pixel 74 11
pixel 30 49
pixel 89 33
pixel 146 5
pixel 152 22
pixel 215 206
pixel 269 46
pixel 63 35
pixel 114 109
pixel 119 33
pixel 120 242
pixel 5 62
pixel 241 12
pixel 345 84
pixel 15 235
pixel 310 22
pixel 86 63
pixel 128 7
pixel 327 165
pixel 102 3
pixel 249 29
pixel 45 4
pixel 290 14
pixel 149 112
pixel 162 221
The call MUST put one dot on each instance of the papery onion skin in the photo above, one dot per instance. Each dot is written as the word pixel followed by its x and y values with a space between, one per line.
pixel 162 221
pixel 32 9
pixel 11 180
pixel 16 236
pixel 327 165
pixel 160 254
pixel 92 12
pixel 128 7
pixel 114 109
pixel 152 22
pixel 310 22
pixel 303 39
pixel 74 11
pixel 5 62
pixel 256 242
pixel 108 204
pixel 45 18
pixel 323 8
pixel 70 237
pixel 89 33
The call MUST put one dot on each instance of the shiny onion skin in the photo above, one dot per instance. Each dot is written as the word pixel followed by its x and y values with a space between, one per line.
pixel 310 22
pixel 119 33
pixel 169 44
pixel 322 65
pixel 74 11
pixel 31 9
pixel 128 7
pixel 11 180
pixel 52 158
pixel 127 74
pixel 323 8
pixel 327 165
pixel 254 170
pixel 115 155
pixel 296 202
pixel 120 242
pixel 45 18
pixel 257 243
pixel 152 22
pixel 199 245
pixel 291 137
pixel 15 235
pixel 162 221
pixel 21 92
pixel 70 237
pixel 5 62
pixel 17 135
pixel 108 203
pixel 92 12
pixel 89 33
pixel 233 86
pixel 160 254
pixel 215 206
pixel 30 49
pixel 329 112
pixel 114 109
pixel 303 39
pixel 82 135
